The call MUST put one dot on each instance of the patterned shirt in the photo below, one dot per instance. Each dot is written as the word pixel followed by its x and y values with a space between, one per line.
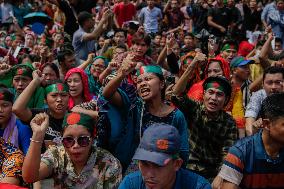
pixel 254 105
pixel 102 171
pixel 11 160
pixel 209 138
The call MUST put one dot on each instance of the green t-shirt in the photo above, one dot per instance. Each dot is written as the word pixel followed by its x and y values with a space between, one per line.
pixel 37 99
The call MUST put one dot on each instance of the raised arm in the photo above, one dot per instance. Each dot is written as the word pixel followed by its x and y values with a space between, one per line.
pixel 20 106
pixel 215 25
pixel 33 170
pixel 99 29
pixel 86 63
pixel 180 86
pixel 110 90
pixel 266 48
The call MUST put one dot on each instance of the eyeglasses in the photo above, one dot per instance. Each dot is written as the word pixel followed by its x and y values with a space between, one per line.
pixel 69 141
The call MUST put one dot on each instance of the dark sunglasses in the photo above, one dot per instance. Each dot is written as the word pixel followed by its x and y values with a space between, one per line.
pixel 69 141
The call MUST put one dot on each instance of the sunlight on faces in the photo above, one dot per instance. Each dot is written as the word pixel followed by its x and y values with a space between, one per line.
pixel 149 86
pixel 77 153
pixel 75 84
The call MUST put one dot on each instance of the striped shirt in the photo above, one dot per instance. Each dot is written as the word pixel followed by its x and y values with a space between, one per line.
pixel 249 166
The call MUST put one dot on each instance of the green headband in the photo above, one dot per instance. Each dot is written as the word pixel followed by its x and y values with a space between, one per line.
pixel 23 71
pixel 228 46
pixel 75 118
pixel 185 62
pixel 150 69
pixel 57 87
pixel 214 85
pixel 103 58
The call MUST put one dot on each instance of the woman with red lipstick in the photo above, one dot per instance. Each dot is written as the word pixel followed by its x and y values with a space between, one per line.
pixel 75 164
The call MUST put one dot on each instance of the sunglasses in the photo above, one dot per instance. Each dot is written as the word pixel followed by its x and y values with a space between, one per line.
pixel 82 141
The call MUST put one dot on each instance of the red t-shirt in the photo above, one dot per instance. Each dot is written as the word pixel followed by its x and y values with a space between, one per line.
pixel 124 12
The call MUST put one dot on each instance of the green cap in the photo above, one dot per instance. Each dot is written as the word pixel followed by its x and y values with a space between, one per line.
pixel 240 61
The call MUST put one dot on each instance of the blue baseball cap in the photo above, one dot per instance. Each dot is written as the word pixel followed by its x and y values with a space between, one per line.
pixel 240 61
pixel 159 144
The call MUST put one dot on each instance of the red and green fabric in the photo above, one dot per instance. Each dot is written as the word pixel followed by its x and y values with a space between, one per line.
pixel 23 70
pixel 150 69
pixel 57 88
pixel 75 118
pixel 214 85
pixel 228 46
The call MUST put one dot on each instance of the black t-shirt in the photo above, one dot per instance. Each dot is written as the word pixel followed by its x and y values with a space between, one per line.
pixel 221 16
pixel 71 24
pixel 251 19
pixel 199 16
pixel 54 131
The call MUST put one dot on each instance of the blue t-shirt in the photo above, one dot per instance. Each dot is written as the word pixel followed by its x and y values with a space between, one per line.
pixel 249 166
pixel 24 135
pixel 184 179
pixel 82 48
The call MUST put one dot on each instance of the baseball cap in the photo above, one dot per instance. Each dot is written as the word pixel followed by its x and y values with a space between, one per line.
pixel 240 61
pixel 159 144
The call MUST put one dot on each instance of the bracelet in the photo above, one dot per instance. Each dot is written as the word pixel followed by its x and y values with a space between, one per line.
pixel 36 141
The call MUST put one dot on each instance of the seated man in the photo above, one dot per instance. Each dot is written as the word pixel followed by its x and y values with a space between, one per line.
pixel 257 161
pixel 11 161
pixel 212 130
pixel 160 164
pixel 273 78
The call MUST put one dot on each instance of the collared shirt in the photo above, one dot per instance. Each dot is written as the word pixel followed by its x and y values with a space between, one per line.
pixel 249 166
pixel 268 9
pixel 254 105
pixel 209 139
pixel 184 179
pixel 102 171
pixel 11 160
pixel 150 19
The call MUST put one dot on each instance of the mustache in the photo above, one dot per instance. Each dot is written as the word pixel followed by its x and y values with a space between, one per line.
pixel 151 180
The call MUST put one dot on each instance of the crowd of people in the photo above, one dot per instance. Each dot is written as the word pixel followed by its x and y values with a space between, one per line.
pixel 176 94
